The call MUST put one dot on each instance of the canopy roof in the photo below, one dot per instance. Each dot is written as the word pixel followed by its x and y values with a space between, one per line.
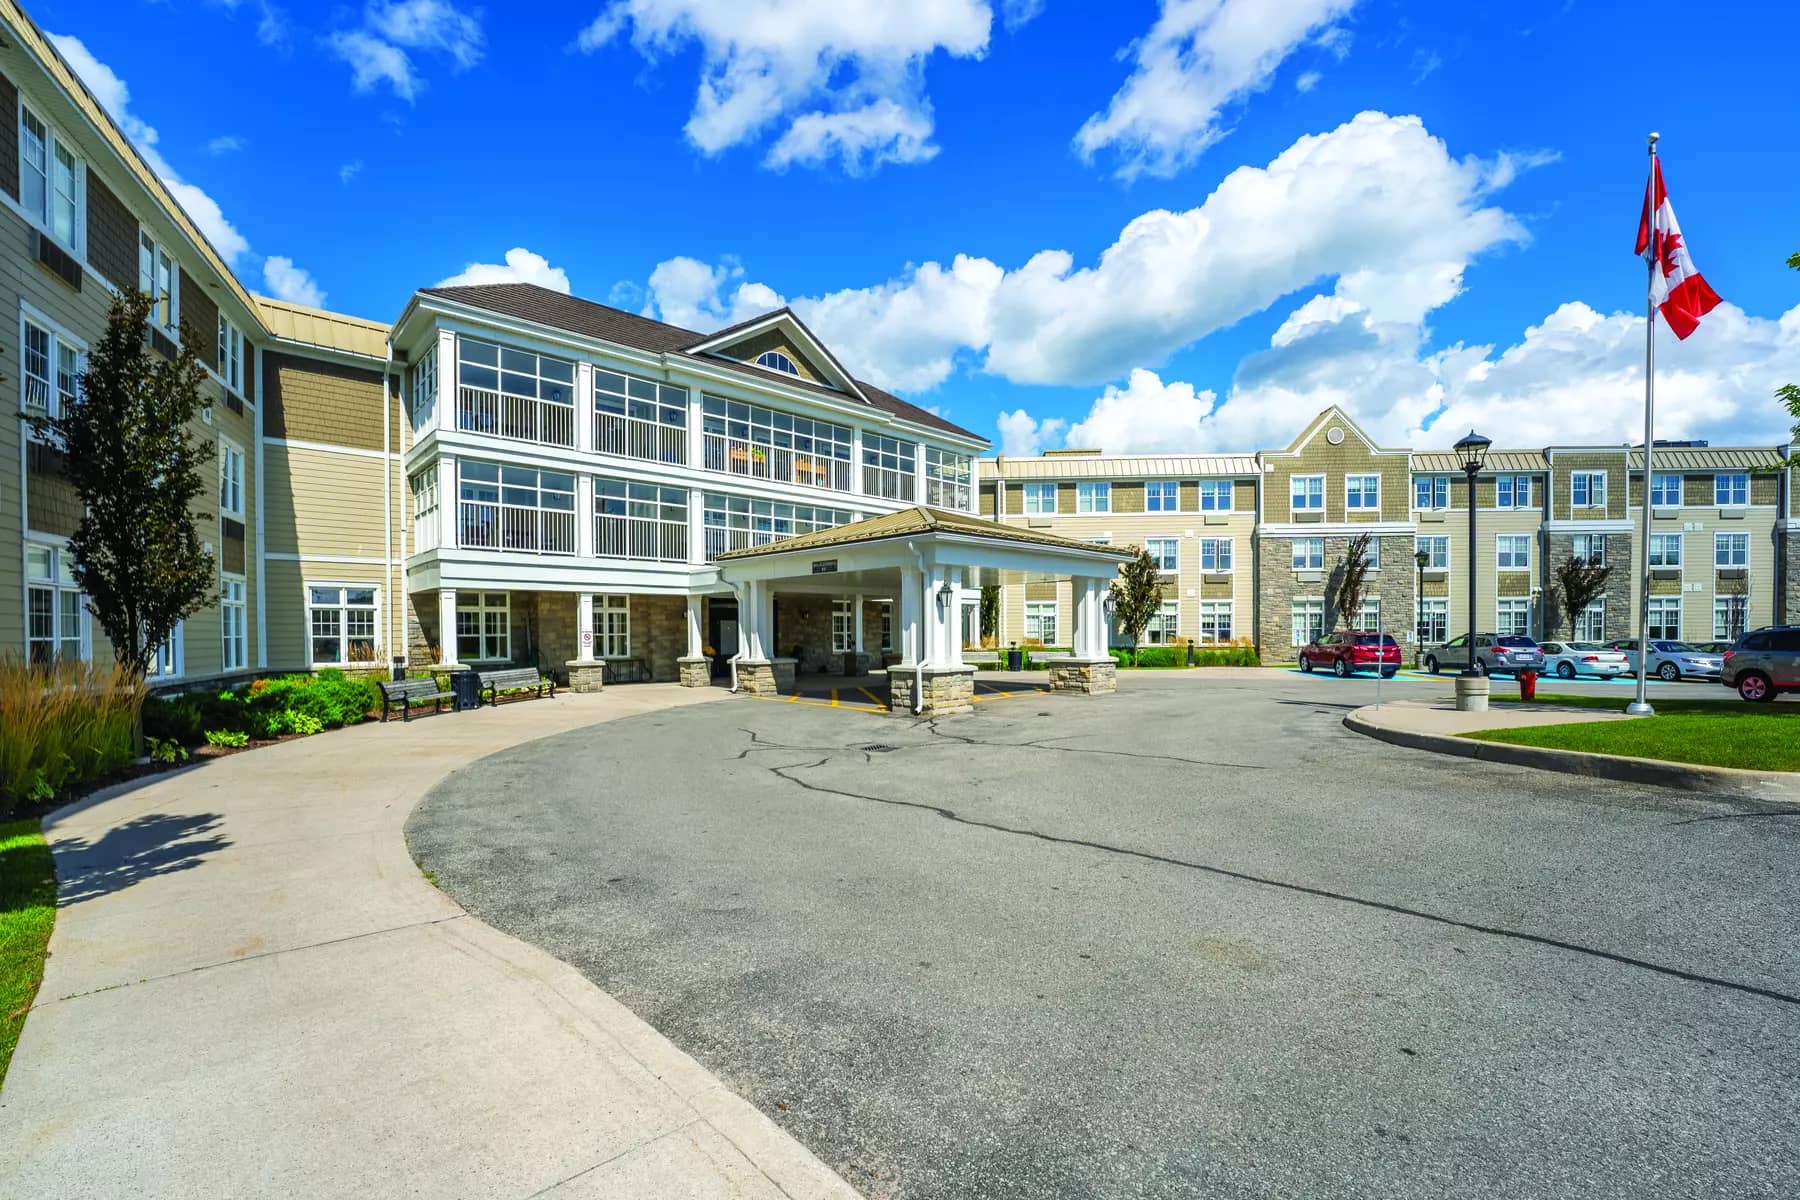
pixel 918 522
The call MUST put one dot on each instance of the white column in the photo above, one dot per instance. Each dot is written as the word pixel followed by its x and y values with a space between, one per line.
pixel 584 626
pixel 937 623
pixel 446 375
pixel 766 619
pixel 447 502
pixel 750 621
pixel 584 407
pixel 696 524
pixel 918 473
pixel 953 620
pixel 696 643
pixel 856 624
pixel 856 461
pixel 911 630
pixel 584 516
pixel 696 450
pixel 1086 618
pixel 446 625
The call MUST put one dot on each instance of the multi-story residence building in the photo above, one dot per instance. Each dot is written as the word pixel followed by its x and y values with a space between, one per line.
pixel 1724 550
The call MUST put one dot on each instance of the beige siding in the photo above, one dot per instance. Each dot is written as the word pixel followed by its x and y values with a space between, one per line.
pixel 1353 456
pixel 323 503
pixel 289 632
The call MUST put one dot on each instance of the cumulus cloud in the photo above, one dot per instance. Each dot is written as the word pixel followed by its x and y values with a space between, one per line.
pixel 1144 416
pixel 842 80
pixel 377 51
pixel 285 281
pixel 519 265
pixel 906 334
pixel 224 144
pixel 349 171
pixel 1200 58
pixel 1023 437
pixel 694 295
pixel 1307 81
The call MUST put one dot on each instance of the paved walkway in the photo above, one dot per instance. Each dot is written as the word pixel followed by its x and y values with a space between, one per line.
pixel 252 991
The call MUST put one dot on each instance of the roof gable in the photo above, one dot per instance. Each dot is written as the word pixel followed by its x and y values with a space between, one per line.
pixel 784 333
pixel 1321 427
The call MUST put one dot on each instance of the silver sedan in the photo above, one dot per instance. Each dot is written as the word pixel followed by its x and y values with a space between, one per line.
pixel 1569 659
pixel 1671 661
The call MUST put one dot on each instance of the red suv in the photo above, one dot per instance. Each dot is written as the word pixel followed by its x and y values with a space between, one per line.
pixel 1352 650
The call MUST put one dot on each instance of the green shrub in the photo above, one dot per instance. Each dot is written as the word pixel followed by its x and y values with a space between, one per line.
pixel 62 726
pixel 228 738
pixel 1162 656
pixel 165 750
pixel 1228 656
pixel 304 724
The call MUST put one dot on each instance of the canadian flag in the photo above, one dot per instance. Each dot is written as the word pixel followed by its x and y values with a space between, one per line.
pixel 1676 286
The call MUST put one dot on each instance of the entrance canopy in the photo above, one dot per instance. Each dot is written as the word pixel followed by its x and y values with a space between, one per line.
pixel 927 560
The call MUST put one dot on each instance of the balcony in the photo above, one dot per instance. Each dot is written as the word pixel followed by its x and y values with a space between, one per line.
pixel 943 493
pixel 718 540
pixel 484 526
pixel 517 418
pixel 633 437
pixel 640 538
pixel 889 484
pixel 735 456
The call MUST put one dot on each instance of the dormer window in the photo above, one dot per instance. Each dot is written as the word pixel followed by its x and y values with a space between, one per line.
pixel 775 360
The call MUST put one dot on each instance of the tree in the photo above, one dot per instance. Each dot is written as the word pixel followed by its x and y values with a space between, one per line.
pixel 990 610
pixel 1789 394
pixel 1137 596
pixel 1579 583
pixel 135 466
pixel 1351 579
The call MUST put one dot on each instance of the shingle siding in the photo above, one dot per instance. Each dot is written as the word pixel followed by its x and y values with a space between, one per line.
pixel 313 401
pixel 112 235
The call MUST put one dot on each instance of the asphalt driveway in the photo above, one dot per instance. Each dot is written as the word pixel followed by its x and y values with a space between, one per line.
pixel 1193 940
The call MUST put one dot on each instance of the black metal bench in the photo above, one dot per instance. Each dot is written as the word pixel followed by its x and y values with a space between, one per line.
pixel 521 678
pixel 404 693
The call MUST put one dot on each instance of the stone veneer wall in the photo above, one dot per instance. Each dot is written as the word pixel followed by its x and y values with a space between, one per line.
pixel 1278 585
pixel 805 622
pixel 1789 598
pixel 659 634
pixel 1621 621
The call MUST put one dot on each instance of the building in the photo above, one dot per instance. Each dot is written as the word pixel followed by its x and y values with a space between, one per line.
pixel 1249 542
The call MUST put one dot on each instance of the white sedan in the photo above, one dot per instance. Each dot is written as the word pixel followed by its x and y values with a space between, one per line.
pixel 1569 659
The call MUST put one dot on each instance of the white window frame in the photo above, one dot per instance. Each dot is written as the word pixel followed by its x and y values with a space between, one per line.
pixel 1219 551
pixel 1593 540
pixel 1361 498
pixel 1212 490
pixel 1512 491
pixel 169 660
pixel 1039 499
pixel 1160 490
pixel 612 626
pixel 1308 620
pixel 1505 560
pixel 1661 545
pixel 1217 621
pixel 231 354
pixel 1303 490
pixel 1722 606
pixel 485 604
pixel 775 360
pixel 948 478
pixel 58 580
pixel 341 609
pixel 43 218
pixel 1368 616
pixel 1434 490
pixel 1659 485
pixel 1737 556
pixel 1167 553
pixel 843 625
pixel 1590 622
pixel 1093 498
pixel 1506 609
pixel 1372 554
pixel 1305 562
pixel 59 383
pixel 1593 483
pixel 155 262
pixel 422 378
pixel 1040 612
pixel 1430 542
pixel 231 484
pixel 1660 607
pixel 1720 483
pixel 890 467
pixel 1164 628
pixel 234 632
pixel 1433 624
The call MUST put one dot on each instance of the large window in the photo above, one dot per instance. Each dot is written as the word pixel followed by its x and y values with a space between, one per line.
pixel 640 520
pixel 612 625
pixel 1589 547
pixel 1215 555
pixel 1434 621
pixel 1431 491
pixel 341 619
pixel 889 466
pixel 51 181
pixel 1730 617
pixel 1512 552
pixel 484 627
pixel 56 622
pixel 1368 616
pixel 946 479
pixel 1166 551
pixel 1162 496
pixel 1309 621
pixel 1587 489
pixel 1436 548
pixel 637 418
pixel 1372 554
pixel 1309 554
pixel 1040 499
pixel 514 393
pixel 1731 491
pixel 1215 495
pixel 422 385
pixel 843 626
pixel 1731 549
pixel 1665 549
pixel 775 360
pixel 1215 620
pixel 1362 493
pixel 1512 491
pixel 1306 493
pixel 1665 618
pixel 231 355
pixel 1165 624
pixel 1040 622
pixel 424 487
pixel 1590 622
pixel 50 366
pixel 1665 491
pixel 158 278
pixel 234 637
pixel 515 508
pixel 231 480
pixel 738 522
pixel 1093 497
pixel 167 661
pixel 747 439
pixel 1513 616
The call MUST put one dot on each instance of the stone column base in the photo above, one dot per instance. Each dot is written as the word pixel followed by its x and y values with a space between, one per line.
pixel 696 671
pixel 586 675
pixel 1472 693
pixel 947 690
pixel 1089 676
pixel 758 678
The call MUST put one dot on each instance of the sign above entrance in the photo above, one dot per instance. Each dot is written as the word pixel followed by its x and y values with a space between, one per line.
pixel 825 566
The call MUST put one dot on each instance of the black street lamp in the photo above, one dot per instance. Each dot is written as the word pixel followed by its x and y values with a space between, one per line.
pixel 1472 450
pixel 1423 558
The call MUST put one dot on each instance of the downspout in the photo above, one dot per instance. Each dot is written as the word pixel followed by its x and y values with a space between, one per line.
pixel 387 502
pixel 732 662
pixel 919 658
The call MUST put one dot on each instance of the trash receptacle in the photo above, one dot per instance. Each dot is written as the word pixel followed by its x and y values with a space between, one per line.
pixel 1015 659
pixel 399 668
pixel 466 687
pixel 1528 685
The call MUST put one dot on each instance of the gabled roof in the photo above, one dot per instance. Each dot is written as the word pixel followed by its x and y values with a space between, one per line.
pixel 731 335
pixel 917 522
pixel 1332 415
pixel 571 314
pixel 327 330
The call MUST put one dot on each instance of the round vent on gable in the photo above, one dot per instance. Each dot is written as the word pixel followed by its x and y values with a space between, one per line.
pixel 1335 436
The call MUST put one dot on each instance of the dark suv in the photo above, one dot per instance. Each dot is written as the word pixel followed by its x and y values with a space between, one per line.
pixel 1764 663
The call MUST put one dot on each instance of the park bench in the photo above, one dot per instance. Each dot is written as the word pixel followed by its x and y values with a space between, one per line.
pixel 404 693
pixel 523 678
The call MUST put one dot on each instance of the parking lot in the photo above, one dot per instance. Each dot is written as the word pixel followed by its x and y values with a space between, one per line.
pixel 1193 940
pixel 868 693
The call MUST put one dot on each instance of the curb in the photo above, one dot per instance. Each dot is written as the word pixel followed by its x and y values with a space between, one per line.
pixel 1687 777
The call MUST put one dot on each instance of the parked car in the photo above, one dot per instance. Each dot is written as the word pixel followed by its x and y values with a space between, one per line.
pixel 1764 663
pixel 1670 661
pixel 1493 652
pixel 1569 659
pixel 1718 648
pixel 1350 651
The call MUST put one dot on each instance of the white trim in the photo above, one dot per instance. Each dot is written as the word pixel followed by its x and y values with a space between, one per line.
pixel 1365 476
pixel 76 249
pixel 1293 511
pixel 1338 529
pixel 780 317
pixel 232 444
pixel 328 448
pixel 282 556
pixel 341 607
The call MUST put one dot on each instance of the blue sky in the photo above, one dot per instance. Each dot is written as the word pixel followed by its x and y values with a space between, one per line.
pixel 963 197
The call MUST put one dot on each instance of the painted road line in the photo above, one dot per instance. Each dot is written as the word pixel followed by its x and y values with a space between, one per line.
pixel 873 698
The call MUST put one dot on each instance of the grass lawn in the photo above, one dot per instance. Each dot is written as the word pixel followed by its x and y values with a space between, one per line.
pixel 1716 733
pixel 27 910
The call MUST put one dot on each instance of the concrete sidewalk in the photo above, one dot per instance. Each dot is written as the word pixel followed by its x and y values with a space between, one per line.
pixel 1439 717
pixel 253 992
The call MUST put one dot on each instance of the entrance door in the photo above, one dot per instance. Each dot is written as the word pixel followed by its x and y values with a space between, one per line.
pixel 721 631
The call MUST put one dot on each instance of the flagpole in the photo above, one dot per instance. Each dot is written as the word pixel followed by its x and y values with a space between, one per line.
pixel 1641 706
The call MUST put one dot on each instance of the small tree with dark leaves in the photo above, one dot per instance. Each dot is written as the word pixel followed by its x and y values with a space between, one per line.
pixel 1137 597
pixel 135 465
pixel 1789 394
pixel 1352 579
pixel 1579 582
pixel 990 610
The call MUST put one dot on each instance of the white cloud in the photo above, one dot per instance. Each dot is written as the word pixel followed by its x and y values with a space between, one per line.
pixel 115 97
pixel 906 334
pixel 1014 13
pixel 520 266
pixel 1023 437
pixel 1198 59
pixel 349 171
pixel 1145 416
pixel 687 292
pixel 224 144
pixel 844 79
pixel 376 52
pixel 285 281
pixel 1424 64
pixel 1307 81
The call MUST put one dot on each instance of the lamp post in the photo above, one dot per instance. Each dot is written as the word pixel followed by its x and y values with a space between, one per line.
pixel 1423 559
pixel 1472 451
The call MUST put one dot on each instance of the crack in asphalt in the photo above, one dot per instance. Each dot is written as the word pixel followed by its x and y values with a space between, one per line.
pixel 1519 935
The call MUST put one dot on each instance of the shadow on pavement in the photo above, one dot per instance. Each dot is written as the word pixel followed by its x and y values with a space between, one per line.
pixel 151 845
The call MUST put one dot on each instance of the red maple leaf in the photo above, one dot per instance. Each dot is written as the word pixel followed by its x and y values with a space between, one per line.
pixel 1667 245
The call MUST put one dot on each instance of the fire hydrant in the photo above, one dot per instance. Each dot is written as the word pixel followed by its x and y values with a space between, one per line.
pixel 1528 685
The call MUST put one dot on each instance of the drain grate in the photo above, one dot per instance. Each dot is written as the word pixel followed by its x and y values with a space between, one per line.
pixel 877 748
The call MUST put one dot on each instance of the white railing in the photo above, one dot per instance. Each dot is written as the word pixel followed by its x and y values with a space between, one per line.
pixel 640 538
pixel 518 418
pixel 485 526
pixel 719 541
pixel 735 456
pixel 634 437
pixel 942 493
pixel 889 483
